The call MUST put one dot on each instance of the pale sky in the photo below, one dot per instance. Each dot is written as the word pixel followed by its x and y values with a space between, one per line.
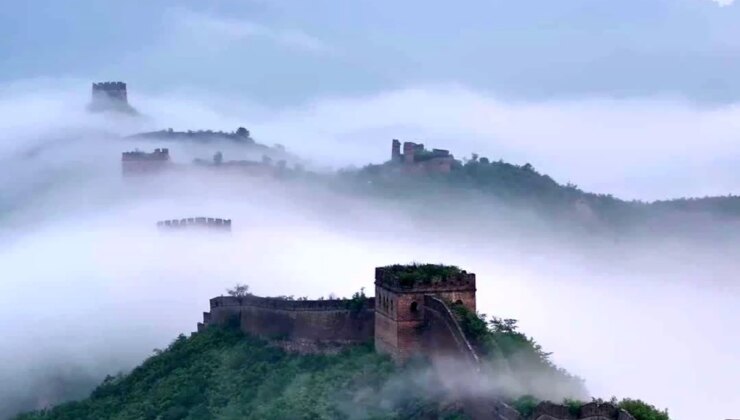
pixel 289 51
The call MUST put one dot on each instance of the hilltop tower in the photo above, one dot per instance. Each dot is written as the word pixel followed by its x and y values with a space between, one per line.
pixel 110 96
pixel 402 294
pixel 416 159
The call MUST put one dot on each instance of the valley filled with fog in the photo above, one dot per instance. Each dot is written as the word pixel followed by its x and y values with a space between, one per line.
pixel 90 287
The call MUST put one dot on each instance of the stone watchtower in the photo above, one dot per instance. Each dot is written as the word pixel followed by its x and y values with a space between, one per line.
pixel 110 96
pixel 400 292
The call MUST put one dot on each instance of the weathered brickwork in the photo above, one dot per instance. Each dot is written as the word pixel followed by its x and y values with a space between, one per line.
pixel 415 159
pixel 297 324
pixel 400 321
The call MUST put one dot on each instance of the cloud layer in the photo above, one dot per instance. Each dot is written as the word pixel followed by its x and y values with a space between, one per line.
pixel 109 289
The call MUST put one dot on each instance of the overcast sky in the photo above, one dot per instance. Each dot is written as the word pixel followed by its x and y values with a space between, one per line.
pixel 288 51
pixel 631 97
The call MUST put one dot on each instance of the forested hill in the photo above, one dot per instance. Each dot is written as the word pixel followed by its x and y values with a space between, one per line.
pixel 524 184
pixel 223 374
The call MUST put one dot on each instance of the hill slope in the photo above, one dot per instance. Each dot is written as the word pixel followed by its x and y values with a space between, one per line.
pixel 223 374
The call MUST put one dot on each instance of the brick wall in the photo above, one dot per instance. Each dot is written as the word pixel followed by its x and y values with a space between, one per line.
pixel 295 321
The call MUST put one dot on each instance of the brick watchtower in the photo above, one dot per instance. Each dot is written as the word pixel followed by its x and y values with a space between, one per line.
pixel 399 302
pixel 110 96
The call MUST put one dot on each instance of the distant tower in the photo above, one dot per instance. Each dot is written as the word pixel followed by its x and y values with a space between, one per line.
pixel 138 162
pixel 396 151
pixel 110 96
pixel 399 302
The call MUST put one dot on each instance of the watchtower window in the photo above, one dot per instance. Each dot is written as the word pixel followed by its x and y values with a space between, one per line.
pixel 414 307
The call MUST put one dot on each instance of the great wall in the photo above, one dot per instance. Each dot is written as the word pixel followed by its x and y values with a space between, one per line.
pixel 410 315
pixel 211 223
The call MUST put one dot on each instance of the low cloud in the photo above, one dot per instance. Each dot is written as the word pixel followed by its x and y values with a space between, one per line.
pixel 109 288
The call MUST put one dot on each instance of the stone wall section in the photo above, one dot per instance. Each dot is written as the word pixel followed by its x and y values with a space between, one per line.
pixel 301 325
pixel 443 336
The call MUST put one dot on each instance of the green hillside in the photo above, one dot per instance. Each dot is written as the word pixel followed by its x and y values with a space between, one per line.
pixel 523 184
pixel 224 374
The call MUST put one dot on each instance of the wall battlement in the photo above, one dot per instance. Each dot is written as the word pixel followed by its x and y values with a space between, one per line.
pixel 138 162
pixel 306 326
pixel 138 155
pixel 205 222
pixel 285 304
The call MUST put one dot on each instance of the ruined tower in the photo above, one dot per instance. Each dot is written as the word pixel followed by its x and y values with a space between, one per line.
pixel 416 159
pixel 396 151
pixel 110 96
pixel 401 293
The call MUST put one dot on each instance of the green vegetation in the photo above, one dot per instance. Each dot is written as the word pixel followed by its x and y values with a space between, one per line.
pixel 523 186
pixel 358 302
pixel 525 405
pixel 641 410
pixel 499 342
pixel 409 275
pixel 223 374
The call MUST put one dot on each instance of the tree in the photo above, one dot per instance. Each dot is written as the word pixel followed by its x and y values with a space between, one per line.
pixel 240 290
pixel 242 132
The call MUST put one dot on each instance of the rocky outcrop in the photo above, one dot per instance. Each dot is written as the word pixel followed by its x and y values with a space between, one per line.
pixel 590 411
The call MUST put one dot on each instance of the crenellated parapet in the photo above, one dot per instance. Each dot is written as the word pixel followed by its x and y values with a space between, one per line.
pixel 138 155
pixel 138 162
pixel 287 304
pixel 306 326
pixel 196 222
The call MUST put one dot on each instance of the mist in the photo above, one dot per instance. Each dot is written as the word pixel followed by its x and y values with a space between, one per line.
pixel 89 287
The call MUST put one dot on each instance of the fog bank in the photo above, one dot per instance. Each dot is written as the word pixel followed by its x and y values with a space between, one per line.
pixel 90 287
